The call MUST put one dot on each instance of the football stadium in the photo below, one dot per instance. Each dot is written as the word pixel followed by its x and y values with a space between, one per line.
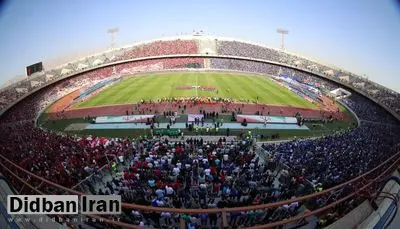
pixel 202 131
pixel 226 103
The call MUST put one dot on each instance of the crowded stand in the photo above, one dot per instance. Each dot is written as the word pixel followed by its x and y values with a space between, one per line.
pixel 195 174
pixel 215 175
pixel 236 48
pixel 270 69
pixel 29 108
pixel 160 64
pixel 322 160
pixel 392 101
pixel 386 96
pixel 244 65
pixel 233 48
pixel 196 62
pixel 9 96
pixel 94 88
pixel 60 158
pixel 13 93
pixel 101 59
pixel 367 112
pixel 159 48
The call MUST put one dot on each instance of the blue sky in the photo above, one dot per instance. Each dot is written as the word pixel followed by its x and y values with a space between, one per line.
pixel 361 36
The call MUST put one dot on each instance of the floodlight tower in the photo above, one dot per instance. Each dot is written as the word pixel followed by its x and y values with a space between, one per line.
pixel 282 32
pixel 112 32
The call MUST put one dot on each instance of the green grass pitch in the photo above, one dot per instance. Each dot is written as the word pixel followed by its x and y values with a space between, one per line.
pixel 228 85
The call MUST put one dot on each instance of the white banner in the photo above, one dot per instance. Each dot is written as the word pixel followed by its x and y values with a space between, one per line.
pixel 268 119
pixel 191 117
pixel 21 90
pixel 124 118
pixel 35 83
pixel 49 77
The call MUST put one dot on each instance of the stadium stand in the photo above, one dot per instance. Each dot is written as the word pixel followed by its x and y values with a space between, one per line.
pixel 159 64
pixel 159 48
pixel 241 65
pixel 217 175
pixel 223 46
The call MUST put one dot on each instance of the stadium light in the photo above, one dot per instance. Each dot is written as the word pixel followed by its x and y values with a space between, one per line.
pixel 112 31
pixel 282 32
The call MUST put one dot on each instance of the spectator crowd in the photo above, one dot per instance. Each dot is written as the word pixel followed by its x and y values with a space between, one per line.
pixel 194 173
pixel 181 46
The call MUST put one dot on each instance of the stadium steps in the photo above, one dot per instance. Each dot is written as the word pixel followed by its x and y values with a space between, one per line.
pixel 307 223
pixel 4 219
pixel 20 221
pixel 207 46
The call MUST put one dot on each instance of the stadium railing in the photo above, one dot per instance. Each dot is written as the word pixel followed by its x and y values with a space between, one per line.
pixel 337 81
pixel 364 187
pixel 364 181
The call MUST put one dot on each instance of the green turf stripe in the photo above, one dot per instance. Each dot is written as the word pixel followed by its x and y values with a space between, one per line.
pixel 154 86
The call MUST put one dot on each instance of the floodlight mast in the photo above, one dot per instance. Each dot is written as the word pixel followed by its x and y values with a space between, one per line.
pixel 112 31
pixel 282 32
